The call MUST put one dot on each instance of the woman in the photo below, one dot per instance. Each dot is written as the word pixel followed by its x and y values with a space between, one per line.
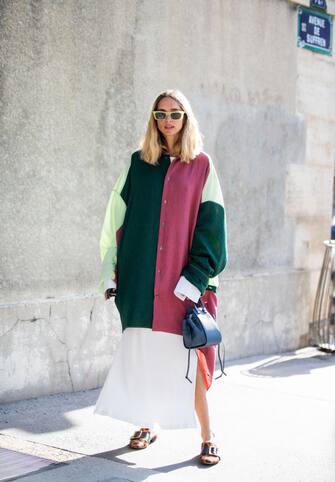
pixel 163 244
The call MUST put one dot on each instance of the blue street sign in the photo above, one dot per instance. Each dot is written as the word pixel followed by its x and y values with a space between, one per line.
pixel 315 30
pixel 318 4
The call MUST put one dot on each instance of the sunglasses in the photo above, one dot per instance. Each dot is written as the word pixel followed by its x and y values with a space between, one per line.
pixel 161 114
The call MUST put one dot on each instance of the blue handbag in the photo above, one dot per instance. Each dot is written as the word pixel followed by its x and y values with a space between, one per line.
pixel 200 330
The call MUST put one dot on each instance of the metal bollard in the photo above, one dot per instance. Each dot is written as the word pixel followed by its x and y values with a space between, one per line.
pixel 323 325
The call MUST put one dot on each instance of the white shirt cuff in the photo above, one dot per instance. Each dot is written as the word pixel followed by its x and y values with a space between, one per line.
pixel 186 289
pixel 110 284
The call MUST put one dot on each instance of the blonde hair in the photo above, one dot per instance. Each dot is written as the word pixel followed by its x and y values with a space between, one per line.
pixel 189 143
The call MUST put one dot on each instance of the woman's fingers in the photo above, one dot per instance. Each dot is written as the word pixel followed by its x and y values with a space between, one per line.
pixel 109 293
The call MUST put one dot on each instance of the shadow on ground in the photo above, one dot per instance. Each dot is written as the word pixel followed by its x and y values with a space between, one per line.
pixel 285 366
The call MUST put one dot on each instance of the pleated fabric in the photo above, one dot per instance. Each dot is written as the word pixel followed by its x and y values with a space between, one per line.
pixel 146 384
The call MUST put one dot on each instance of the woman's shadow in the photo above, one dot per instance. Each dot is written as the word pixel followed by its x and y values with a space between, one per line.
pixel 114 455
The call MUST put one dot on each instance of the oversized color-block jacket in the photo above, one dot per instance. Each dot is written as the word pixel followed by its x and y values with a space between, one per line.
pixel 164 223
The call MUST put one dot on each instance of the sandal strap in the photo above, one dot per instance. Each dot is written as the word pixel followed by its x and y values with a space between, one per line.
pixel 141 435
pixel 209 448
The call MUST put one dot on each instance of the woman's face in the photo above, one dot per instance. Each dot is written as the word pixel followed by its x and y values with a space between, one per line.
pixel 169 127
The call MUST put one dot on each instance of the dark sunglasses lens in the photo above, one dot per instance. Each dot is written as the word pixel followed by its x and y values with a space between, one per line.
pixel 176 115
pixel 160 115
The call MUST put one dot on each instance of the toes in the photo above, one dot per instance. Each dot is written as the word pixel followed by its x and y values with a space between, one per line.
pixel 209 460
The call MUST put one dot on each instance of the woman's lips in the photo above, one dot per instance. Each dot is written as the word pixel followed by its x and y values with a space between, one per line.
pixel 169 127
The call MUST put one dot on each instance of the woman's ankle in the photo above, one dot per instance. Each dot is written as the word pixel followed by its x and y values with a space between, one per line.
pixel 153 430
pixel 208 436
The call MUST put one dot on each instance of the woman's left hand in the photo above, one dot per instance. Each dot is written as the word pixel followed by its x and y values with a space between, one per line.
pixel 109 293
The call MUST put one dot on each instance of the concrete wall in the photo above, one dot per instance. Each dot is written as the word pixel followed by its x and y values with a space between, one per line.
pixel 310 185
pixel 76 86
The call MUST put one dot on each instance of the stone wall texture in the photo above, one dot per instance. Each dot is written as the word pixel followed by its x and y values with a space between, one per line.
pixel 77 80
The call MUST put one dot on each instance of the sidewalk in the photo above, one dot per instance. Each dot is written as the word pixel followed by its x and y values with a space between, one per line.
pixel 274 418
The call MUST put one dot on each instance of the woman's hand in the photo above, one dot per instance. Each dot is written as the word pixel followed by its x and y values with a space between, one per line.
pixel 109 293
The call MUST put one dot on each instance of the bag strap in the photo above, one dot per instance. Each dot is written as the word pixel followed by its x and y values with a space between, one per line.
pixel 219 356
pixel 221 364
pixel 188 366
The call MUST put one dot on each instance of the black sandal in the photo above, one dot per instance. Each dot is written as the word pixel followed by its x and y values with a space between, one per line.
pixel 209 454
pixel 144 436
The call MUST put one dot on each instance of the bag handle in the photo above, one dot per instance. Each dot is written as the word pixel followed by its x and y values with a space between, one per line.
pixel 200 304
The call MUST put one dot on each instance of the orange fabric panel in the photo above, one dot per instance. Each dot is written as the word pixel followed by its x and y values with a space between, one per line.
pixel 202 363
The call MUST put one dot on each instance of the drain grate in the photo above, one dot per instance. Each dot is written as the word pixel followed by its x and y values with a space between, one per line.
pixel 17 464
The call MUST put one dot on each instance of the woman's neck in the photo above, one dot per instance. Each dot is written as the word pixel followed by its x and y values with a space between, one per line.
pixel 171 150
pixel 171 142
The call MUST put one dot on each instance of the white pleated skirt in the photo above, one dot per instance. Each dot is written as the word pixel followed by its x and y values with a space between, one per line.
pixel 146 384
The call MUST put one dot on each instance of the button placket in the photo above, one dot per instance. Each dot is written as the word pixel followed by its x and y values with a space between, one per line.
pixel 161 235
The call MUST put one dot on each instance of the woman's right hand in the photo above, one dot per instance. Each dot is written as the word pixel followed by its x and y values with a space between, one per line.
pixel 109 293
